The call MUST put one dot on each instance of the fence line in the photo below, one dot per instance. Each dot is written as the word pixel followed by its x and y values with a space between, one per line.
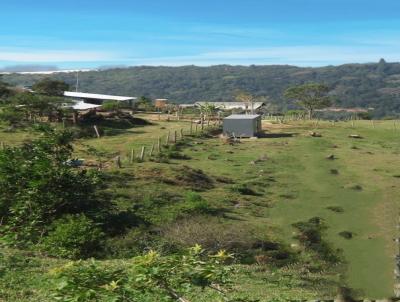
pixel 170 140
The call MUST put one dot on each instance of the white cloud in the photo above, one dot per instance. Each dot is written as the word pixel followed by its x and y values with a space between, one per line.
pixel 312 55
pixel 296 55
pixel 51 56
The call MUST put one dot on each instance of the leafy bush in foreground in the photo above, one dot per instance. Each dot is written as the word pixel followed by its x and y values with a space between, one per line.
pixel 151 277
pixel 73 237
pixel 38 187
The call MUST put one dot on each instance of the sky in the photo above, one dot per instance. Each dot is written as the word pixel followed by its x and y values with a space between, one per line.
pixel 104 33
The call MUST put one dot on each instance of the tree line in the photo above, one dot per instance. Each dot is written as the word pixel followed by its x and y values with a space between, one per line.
pixel 373 85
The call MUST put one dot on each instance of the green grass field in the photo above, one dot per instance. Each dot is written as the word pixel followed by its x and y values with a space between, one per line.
pixel 293 181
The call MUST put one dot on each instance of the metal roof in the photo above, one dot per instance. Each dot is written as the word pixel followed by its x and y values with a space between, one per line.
pixel 84 106
pixel 232 105
pixel 80 105
pixel 242 117
pixel 95 96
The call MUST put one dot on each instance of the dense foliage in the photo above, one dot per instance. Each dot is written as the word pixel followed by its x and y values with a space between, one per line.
pixel 25 108
pixel 74 237
pixel 37 187
pixel 310 96
pixel 365 85
pixel 151 277
pixel 50 87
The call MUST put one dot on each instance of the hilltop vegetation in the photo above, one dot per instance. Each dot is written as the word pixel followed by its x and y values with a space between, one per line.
pixel 353 85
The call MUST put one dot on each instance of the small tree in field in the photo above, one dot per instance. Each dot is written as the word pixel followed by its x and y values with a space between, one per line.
pixel 247 98
pixel 310 96
pixel 207 110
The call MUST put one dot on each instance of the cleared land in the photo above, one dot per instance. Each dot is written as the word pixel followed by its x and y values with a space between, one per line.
pixel 290 179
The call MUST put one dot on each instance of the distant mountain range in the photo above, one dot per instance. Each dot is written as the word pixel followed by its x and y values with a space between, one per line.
pixel 374 85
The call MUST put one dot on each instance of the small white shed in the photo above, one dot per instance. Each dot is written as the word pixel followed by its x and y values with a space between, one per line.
pixel 242 125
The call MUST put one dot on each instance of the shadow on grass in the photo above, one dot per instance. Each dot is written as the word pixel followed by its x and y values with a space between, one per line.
pixel 276 135
pixel 109 126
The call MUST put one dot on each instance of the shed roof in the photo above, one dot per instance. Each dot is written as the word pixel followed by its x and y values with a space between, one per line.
pixel 98 96
pixel 84 106
pixel 242 117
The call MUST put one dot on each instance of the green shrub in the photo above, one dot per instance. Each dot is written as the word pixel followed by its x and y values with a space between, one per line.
pixel 38 187
pixel 194 203
pixel 336 209
pixel 346 234
pixel 135 241
pixel 73 237
pixel 161 157
pixel 149 278
pixel 87 281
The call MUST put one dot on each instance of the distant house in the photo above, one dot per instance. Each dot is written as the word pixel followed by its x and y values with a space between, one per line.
pixel 232 105
pixel 160 104
pixel 242 125
pixel 348 110
pixel 183 106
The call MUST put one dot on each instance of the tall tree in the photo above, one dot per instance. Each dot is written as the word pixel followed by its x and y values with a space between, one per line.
pixel 207 110
pixel 50 87
pixel 37 105
pixel 310 96
pixel 250 99
pixel 144 103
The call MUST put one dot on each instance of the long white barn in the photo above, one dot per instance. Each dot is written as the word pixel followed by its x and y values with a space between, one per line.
pixel 99 97
pixel 232 105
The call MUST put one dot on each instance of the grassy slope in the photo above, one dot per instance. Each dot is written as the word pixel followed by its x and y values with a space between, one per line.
pixel 295 184
pixel 369 214
pixel 305 187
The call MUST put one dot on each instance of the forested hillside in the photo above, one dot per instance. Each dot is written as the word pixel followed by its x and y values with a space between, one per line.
pixel 362 85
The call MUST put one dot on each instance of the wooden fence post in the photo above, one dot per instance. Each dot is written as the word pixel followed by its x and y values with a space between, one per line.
pixel 97 131
pixel 175 137
pixel 167 139
pixel 118 162
pixel 159 145
pixel 195 130
pixel 151 150
pixel 132 157
pixel 142 153
pixel 181 133
pixel 191 126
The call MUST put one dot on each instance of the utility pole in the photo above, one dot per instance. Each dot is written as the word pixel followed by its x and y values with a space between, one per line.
pixel 77 81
